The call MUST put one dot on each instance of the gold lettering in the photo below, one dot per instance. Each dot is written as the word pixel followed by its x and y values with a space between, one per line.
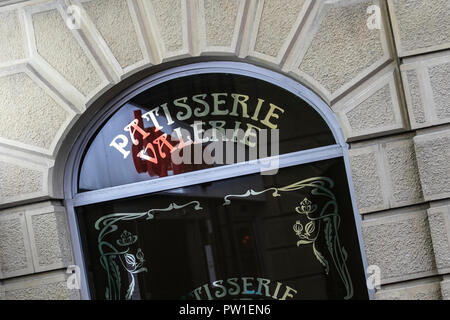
pixel 183 104
pixel 250 132
pixel 197 111
pixel 277 290
pixel 271 114
pixel 217 103
pixel 240 99
pixel 287 293
pixel 258 109
pixel 263 282
pixel 167 114
pixel 246 285
pixel 233 282
pixel 208 293
pixel 219 285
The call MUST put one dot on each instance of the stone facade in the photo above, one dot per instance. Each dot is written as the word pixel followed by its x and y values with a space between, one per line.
pixel 44 286
pixel 390 94
pixel 400 243
pixel 385 173
pixel 34 238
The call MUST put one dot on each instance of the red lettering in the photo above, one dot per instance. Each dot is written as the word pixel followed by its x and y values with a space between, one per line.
pixel 161 142
pixel 156 162
pixel 132 128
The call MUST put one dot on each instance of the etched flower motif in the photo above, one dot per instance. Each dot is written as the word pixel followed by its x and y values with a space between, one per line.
pixel 126 239
pixel 298 228
pixel 130 259
pixel 140 255
pixel 309 228
pixel 305 207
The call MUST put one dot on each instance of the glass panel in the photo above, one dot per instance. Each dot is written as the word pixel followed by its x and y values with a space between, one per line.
pixel 287 236
pixel 188 107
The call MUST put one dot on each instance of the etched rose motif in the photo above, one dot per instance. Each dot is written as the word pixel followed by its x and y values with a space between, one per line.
pixel 126 239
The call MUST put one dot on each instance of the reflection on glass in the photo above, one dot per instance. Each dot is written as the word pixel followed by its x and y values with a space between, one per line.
pixel 138 141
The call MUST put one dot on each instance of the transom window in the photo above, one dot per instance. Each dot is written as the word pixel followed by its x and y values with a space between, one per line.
pixel 215 181
pixel 195 104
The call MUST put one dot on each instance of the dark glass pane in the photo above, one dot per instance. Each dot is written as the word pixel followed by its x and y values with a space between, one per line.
pixel 195 103
pixel 287 236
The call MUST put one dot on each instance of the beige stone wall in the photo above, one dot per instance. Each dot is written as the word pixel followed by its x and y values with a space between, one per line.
pixel 389 88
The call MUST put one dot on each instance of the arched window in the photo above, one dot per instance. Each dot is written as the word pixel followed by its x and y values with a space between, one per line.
pixel 216 180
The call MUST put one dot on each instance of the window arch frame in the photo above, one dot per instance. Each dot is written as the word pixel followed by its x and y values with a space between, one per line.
pixel 74 162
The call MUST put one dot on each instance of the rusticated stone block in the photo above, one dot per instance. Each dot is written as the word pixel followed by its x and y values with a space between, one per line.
pixel 169 15
pixel 343 50
pixel 115 24
pixel 403 174
pixel 44 286
pixel 367 181
pixel 34 238
pixel 15 251
pixel 275 25
pixel 433 158
pixel 220 21
pixel 368 115
pixel 439 219
pixel 44 116
pixel 56 44
pixel 375 108
pixel 400 244
pixel 440 85
pixel 50 237
pixel 414 98
pixel 11 37
pixel 427 88
pixel 19 181
pixel 385 174
pixel 424 291
pixel 445 288
pixel 420 25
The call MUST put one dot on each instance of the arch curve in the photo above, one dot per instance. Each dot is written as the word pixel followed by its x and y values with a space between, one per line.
pixel 74 154
pixel 105 105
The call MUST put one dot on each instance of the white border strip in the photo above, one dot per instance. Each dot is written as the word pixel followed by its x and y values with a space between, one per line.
pixel 205 175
